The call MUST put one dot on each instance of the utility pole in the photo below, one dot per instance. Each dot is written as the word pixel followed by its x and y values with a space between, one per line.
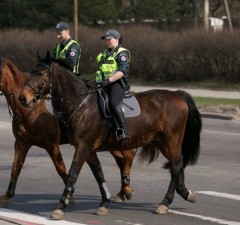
pixel 228 16
pixel 75 19
pixel 206 15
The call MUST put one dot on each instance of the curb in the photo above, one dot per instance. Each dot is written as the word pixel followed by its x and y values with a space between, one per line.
pixel 216 116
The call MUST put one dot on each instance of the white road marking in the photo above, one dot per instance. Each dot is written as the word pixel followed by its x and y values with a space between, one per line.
pixel 206 218
pixel 25 217
pixel 212 219
pixel 220 194
pixel 220 132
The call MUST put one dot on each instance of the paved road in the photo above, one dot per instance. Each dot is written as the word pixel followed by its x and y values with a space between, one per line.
pixel 215 178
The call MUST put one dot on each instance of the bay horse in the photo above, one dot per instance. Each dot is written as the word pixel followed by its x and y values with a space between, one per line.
pixel 27 126
pixel 169 123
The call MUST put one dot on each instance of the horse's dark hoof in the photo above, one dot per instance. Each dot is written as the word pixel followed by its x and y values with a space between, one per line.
pixel 102 211
pixel 162 209
pixel 57 214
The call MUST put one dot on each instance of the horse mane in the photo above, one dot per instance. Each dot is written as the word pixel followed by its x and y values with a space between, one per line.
pixel 14 70
pixel 76 78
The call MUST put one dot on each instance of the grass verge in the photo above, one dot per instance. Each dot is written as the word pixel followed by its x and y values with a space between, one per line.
pixel 216 101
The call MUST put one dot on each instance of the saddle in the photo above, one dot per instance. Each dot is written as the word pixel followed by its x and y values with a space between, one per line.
pixel 129 104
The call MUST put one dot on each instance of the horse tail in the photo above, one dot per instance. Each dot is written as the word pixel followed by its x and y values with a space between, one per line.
pixel 148 153
pixel 191 140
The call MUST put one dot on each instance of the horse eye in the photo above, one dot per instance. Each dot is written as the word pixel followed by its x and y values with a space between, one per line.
pixel 41 73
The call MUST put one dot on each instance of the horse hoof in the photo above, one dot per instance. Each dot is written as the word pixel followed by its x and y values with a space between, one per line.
pixel 57 214
pixel 102 211
pixel 191 196
pixel 119 199
pixel 162 209
pixel 129 195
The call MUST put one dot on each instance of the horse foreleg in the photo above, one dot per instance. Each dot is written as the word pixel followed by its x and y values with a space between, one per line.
pixel 186 194
pixel 96 168
pixel 56 156
pixel 163 207
pixel 124 160
pixel 80 156
pixel 21 150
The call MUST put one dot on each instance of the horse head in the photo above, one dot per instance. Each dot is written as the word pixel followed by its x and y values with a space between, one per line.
pixel 38 85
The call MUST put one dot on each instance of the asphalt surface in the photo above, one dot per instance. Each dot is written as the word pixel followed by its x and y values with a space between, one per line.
pixel 193 92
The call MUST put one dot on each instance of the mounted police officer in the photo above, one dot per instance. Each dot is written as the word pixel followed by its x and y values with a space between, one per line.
pixel 112 74
pixel 68 51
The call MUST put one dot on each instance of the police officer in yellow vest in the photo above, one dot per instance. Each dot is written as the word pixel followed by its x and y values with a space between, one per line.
pixel 68 51
pixel 112 74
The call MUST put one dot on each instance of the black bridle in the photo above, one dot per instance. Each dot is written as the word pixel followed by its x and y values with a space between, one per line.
pixel 39 92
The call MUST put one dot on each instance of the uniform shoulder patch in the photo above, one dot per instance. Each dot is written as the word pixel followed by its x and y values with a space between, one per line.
pixel 123 58
pixel 72 53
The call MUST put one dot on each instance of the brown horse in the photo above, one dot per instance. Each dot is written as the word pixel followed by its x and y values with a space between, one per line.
pixel 169 123
pixel 27 125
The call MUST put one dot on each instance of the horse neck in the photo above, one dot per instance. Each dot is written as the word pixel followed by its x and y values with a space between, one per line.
pixel 65 85
pixel 71 90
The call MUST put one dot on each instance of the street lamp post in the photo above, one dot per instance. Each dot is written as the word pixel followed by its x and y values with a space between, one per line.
pixel 75 19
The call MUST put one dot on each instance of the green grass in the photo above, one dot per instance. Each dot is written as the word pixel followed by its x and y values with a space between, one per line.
pixel 216 101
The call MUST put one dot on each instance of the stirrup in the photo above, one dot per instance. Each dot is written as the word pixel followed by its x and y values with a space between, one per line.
pixel 121 133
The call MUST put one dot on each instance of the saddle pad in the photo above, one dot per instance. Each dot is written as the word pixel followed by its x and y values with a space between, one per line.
pixel 130 107
pixel 50 108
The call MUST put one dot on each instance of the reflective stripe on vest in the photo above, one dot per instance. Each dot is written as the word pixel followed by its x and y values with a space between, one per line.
pixel 107 67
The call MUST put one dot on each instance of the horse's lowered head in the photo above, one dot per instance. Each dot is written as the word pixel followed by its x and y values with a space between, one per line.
pixel 38 85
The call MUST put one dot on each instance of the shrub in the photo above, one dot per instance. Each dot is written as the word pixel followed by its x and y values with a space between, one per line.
pixel 157 56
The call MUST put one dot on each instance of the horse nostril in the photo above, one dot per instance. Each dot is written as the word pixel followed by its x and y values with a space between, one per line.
pixel 22 99
pixel 37 97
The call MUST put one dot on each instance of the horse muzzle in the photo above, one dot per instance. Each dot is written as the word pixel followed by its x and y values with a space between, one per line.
pixel 27 101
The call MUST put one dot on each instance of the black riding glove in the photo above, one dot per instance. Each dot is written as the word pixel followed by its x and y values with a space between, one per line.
pixel 105 83
pixel 93 84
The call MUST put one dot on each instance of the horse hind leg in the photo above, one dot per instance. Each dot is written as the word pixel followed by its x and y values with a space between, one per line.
pixel 186 194
pixel 175 169
pixel 124 160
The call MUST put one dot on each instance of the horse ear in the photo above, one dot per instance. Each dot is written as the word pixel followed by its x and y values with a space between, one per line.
pixel 48 56
pixel 38 56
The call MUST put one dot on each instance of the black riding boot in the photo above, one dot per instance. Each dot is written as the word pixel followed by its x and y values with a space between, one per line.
pixel 121 132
